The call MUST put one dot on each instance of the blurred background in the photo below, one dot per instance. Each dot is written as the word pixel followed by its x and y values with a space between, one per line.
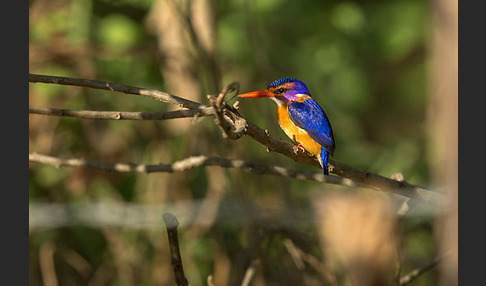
pixel 385 72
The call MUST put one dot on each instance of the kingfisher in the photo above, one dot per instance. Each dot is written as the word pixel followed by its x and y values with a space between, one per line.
pixel 301 117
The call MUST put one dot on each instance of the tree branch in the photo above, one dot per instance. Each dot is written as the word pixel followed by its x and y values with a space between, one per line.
pixel 194 162
pixel 250 272
pixel 120 115
pixel 96 84
pixel 299 257
pixel 272 144
pixel 418 271
pixel 171 225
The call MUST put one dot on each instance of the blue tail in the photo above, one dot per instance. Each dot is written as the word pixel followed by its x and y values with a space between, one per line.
pixel 325 161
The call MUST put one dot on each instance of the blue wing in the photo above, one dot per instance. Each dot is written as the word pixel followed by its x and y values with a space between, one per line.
pixel 309 116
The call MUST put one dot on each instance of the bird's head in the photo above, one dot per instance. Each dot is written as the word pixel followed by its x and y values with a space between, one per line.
pixel 282 90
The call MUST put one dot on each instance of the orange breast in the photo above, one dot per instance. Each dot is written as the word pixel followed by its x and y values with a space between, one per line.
pixel 296 133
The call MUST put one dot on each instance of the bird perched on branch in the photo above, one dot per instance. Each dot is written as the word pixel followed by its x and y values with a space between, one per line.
pixel 300 117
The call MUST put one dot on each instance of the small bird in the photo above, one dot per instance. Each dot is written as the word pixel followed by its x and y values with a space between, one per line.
pixel 300 117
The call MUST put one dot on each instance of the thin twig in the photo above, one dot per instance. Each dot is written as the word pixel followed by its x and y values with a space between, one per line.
pixel 204 55
pixel 171 225
pixel 250 272
pixel 120 115
pixel 96 84
pixel 299 257
pixel 193 162
pixel 418 271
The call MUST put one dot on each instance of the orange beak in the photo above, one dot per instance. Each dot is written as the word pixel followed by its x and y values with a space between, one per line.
pixel 255 94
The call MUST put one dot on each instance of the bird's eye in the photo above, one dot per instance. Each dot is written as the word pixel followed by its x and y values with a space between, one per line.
pixel 281 90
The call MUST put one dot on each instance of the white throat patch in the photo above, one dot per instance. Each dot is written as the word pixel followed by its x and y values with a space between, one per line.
pixel 277 101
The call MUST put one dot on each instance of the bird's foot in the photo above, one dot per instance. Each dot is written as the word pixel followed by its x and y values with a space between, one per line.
pixel 298 147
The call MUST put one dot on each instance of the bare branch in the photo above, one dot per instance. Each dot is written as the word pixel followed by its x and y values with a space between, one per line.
pixel 120 115
pixel 171 225
pixel 194 162
pixel 299 257
pixel 250 272
pixel 242 125
pixel 418 271
pixel 96 84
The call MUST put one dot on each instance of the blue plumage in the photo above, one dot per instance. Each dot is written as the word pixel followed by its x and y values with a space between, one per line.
pixel 309 116
pixel 325 161
pixel 285 80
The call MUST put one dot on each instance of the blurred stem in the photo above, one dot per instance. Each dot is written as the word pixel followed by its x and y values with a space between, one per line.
pixel 443 127
pixel 46 257
pixel 412 275
pixel 202 36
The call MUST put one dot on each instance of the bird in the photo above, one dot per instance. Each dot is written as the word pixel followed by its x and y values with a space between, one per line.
pixel 301 118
